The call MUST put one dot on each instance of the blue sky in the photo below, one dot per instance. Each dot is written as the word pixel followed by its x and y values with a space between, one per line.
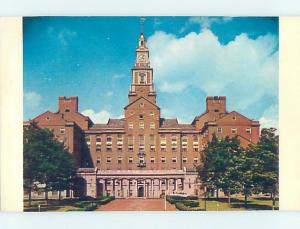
pixel 192 57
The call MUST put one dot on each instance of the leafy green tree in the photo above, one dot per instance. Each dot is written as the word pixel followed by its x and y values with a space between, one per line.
pixel 218 170
pixel 46 161
pixel 267 152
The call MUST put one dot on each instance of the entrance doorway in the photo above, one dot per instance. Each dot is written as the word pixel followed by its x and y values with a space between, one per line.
pixel 141 191
pixel 99 189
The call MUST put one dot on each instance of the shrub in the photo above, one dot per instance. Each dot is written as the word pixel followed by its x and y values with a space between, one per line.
pixel 190 203
pixel 174 199
pixel 182 207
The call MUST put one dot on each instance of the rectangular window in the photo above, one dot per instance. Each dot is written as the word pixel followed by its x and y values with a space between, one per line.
pixel 152 139
pixel 219 130
pixel 88 139
pixel 108 138
pixel 108 148
pixel 184 141
pixel 163 149
pixel 163 160
pixel 108 160
pixel 152 125
pixel 130 160
pixel 98 161
pixel 130 125
pixel 234 130
pixel 120 160
pixel 184 160
pixel 98 148
pixel 248 130
pixel 174 159
pixel 141 117
pixel 120 139
pixel 152 114
pixel 98 139
pixel 141 125
pixel 195 160
pixel 130 147
pixel 152 148
pixel 62 130
pixel 163 141
pixel 152 160
pixel 141 139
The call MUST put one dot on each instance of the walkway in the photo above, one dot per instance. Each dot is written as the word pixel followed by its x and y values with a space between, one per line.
pixel 137 205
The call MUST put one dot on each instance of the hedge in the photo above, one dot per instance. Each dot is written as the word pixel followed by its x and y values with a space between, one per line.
pixel 182 207
pixel 90 204
pixel 182 203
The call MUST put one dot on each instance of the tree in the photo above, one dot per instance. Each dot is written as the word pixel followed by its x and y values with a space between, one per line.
pixel 267 151
pixel 46 161
pixel 218 170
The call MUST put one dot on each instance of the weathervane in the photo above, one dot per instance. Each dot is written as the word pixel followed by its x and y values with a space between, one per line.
pixel 142 20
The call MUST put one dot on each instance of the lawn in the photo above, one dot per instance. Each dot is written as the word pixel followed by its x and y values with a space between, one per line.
pixel 237 204
pixel 65 205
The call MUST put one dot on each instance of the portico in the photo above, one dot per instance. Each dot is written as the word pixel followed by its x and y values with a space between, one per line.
pixel 138 183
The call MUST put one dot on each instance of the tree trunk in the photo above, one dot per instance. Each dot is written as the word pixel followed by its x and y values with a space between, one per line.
pixel 229 200
pixel 246 201
pixel 217 194
pixel 29 196
pixel 59 195
pixel 273 201
pixel 46 193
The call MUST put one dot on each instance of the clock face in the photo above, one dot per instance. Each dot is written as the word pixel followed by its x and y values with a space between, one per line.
pixel 142 57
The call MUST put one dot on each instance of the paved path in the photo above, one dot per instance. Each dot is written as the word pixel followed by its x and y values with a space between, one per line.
pixel 137 205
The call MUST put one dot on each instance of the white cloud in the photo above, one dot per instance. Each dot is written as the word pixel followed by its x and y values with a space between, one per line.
pixel 97 117
pixel 244 70
pixel 269 117
pixel 65 36
pixel 109 93
pixel 32 99
pixel 206 22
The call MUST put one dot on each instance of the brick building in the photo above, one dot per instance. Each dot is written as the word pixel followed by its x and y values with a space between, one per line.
pixel 142 154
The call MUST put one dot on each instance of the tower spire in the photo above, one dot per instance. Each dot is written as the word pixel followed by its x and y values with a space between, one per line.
pixel 142 20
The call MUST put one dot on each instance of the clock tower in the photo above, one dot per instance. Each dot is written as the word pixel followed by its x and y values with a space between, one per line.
pixel 142 74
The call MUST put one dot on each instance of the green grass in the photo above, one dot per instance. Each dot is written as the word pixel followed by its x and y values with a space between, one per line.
pixel 237 204
pixel 65 205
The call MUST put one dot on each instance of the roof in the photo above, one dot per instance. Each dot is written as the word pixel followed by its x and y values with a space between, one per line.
pixel 139 99
pixel 173 123
pixel 111 123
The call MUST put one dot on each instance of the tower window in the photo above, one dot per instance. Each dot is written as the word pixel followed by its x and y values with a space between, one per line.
pixel 141 117
pixel 67 110
pixel 142 79
pixel 130 125
pixel 216 110
pixel 233 130
pixel 141 125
